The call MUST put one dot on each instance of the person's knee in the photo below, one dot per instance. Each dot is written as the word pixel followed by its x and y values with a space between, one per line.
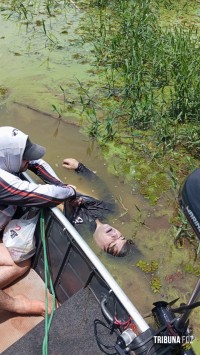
pixel 11 273
pixel 22 267
pixel 19 269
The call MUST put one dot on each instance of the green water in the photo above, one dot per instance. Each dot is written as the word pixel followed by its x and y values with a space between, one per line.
pixel 33 69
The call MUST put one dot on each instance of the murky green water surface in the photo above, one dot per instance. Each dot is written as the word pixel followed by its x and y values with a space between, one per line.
pixel 32 69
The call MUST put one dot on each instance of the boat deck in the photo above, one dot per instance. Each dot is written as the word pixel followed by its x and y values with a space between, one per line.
pixel 13 326
pixel 72 329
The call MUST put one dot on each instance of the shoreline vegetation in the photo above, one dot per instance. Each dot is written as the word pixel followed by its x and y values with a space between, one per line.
pixel 145 114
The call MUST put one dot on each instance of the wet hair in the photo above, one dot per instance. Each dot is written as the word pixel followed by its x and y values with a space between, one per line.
pixel 125 250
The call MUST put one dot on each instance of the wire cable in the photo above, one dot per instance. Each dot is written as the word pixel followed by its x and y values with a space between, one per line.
pixel 48 281
pixel 99 342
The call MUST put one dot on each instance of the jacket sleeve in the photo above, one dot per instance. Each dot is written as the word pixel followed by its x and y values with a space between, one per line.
pixel 44 171
pixel 15 191
pixel 96 182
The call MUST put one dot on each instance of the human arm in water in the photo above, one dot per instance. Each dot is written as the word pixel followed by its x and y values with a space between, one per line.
pixel 102 189
pixel 44 171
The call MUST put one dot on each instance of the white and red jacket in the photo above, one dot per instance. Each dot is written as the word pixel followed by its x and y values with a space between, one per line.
pixel 17 192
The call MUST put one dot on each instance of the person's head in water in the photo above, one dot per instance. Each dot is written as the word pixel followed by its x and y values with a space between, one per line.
pixel 111 240
pixel 106 237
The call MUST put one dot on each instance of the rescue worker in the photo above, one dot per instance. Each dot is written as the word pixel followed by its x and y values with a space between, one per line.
pixel 17 154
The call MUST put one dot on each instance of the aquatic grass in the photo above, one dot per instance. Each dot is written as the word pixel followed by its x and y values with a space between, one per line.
pixel 157 68
pixel 110 131
pixel 36 15
pixel 150 84
pixel 50 36
pixel 94 125
pixel 61 108
pixel 58 110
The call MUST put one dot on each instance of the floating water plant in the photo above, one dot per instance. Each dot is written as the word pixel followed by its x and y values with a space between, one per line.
pixel 151 268
pixel 3 91
pixel 155 284
pixel 147 267
pixel 194 270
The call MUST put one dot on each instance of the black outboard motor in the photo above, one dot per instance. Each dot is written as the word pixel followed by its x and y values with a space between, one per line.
pixel 189 199
pixel 172 329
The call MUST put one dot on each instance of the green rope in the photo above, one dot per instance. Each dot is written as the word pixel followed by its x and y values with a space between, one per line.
pixel 48 280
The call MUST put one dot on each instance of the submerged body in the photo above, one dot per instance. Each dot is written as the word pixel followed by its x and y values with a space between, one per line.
pixel 90 213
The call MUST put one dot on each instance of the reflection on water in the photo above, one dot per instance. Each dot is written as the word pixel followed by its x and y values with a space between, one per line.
pixel 30 82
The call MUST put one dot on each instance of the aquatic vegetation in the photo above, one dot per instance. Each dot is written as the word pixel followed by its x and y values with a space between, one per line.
pixel 147 81
pixel 147 267
pixel 37 17
pixel 58 110
pixel 156 284
pixel 61 108
pixel 154 76
pixel 150 84
pixel 159 83
pixel 183 233
pixel 151 268
pixel 3 92
pixel 194 270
